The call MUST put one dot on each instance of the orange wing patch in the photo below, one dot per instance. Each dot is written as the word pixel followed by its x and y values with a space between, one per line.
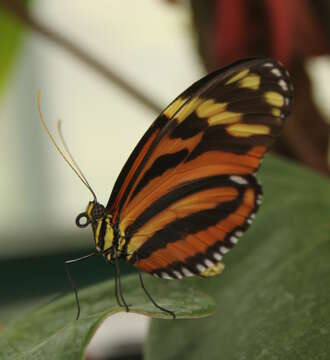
pixel 199 201
pixel 186 248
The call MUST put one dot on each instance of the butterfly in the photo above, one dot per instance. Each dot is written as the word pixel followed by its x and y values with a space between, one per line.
pixel 188 191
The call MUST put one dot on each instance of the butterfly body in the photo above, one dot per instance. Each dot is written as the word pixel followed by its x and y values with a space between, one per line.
pixel 109 241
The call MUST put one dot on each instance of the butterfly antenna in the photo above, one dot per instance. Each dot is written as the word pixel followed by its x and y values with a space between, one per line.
pixel 60 133
pixel 82 178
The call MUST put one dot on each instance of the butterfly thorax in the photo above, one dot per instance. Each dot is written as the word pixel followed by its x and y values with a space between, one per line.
pixel 108 240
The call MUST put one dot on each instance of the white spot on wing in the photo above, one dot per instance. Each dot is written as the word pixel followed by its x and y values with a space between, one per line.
pixel 233 240
pixel 268 64
pixel 223 249
pixel 208 263
pixel 276 72
pixel 217 256
pixel 238 179
pixel 201 268
pixel 165 275
pixel 177 274
pixel 186 272
pixel 283 85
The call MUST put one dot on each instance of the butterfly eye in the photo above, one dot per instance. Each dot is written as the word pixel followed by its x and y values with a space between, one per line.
pixel 97 211
pixel 82 220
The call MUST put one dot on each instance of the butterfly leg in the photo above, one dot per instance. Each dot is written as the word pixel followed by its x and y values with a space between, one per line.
pixel 73 285
pixel 119 291
pixel 116 292
pixel 150 297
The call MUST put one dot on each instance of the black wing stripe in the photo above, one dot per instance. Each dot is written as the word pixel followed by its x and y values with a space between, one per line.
pixel 170 198
pixel 159 166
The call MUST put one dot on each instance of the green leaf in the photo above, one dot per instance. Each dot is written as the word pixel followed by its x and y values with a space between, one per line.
pixel 273 299
pixel 10 41
pixel 51 332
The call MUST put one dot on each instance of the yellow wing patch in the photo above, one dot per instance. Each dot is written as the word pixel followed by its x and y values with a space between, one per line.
pixel 274 98
pixel 213 270
pixel 188 108
pixel 174 107
pixel 209 108
pixel 216 114
pixel 276 112
pixel 238 76
pixel 226 117
pixel 251 82
pixel 247 130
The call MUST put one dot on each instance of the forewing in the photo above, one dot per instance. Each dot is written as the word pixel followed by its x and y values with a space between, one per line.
pixel 193 191
pixel 135 163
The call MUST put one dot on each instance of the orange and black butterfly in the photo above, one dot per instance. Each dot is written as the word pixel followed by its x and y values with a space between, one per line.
pixel 188 191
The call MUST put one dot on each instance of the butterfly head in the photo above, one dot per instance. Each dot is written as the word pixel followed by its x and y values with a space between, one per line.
pixel 94 211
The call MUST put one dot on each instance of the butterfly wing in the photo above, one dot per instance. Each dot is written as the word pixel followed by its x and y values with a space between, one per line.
pixel 188 190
